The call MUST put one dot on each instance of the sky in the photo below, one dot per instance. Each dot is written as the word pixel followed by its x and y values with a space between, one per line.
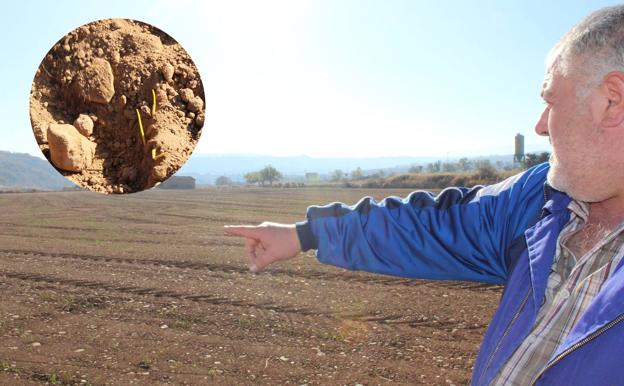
pixel 327 78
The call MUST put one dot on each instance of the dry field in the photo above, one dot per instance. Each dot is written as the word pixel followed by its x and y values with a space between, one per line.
pixel 146 289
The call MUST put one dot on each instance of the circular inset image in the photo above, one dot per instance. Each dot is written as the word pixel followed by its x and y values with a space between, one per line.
pixel 117 106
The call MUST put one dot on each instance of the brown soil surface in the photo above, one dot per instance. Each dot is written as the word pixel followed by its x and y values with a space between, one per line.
pixel 95 78
pixel 146 289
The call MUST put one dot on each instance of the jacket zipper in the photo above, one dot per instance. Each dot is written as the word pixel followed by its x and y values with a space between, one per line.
pixel 579 344
pixel 543 214
pixel 507 329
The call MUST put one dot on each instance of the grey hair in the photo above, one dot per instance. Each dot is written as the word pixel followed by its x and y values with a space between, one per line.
pixel 592 48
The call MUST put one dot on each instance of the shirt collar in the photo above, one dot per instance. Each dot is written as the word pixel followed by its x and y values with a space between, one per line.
pixel 579 209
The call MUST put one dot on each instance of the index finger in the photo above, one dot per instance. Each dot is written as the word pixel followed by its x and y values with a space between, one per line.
pixel 250 231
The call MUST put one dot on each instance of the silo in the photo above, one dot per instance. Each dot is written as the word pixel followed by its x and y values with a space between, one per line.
pixel 519 153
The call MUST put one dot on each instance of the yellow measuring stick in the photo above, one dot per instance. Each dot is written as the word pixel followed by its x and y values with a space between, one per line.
pixel 141 127
pixel 153 102
pixel 155 157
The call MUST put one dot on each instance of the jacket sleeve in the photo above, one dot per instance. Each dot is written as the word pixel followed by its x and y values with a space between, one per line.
pixel 460 234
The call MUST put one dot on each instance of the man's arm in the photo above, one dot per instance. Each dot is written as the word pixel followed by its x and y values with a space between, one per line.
pixel 461 234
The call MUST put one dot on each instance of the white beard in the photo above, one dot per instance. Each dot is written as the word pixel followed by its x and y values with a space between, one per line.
pixel 556 177
pixel 560 179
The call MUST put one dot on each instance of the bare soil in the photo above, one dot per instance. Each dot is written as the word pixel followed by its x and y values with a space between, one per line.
pixel 85 97
pixel 146 289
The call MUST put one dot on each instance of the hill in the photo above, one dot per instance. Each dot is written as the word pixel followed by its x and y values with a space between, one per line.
pixel 23 171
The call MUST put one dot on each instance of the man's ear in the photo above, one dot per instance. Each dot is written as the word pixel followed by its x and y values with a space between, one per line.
pixel 613 88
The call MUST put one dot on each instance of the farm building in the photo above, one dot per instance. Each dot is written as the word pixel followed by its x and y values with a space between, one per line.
pixel 178 182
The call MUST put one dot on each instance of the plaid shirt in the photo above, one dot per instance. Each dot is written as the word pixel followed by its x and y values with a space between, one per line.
pixel 572 285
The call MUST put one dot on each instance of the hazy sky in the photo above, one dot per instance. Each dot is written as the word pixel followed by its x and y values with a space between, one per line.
pixel 328 78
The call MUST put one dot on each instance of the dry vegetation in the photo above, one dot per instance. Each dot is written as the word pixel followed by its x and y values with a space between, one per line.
pixel 434 180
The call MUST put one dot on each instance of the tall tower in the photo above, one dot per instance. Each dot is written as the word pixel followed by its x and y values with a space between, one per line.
pixel 519 152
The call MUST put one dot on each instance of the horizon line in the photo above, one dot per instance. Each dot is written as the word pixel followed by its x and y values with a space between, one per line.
pixel 257 155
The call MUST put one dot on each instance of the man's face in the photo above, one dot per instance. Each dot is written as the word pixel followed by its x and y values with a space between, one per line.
pixel 575 136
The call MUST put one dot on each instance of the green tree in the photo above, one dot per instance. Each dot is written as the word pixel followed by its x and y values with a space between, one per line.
pixel 357 174
pixel 252 178
pixel 485 169
pixel 269 174
pixel 337 175
pixel 464 164
pixel 415 169
pixel 449 167
pixel 434 167
pixel 532 159
pixel 223 181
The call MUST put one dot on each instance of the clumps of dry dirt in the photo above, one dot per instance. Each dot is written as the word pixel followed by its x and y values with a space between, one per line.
pixel 85 97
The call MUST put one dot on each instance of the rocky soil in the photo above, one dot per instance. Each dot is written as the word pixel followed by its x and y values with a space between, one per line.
pixel 85 97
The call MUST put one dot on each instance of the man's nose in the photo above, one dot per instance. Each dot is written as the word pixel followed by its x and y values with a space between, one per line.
pixel 541 127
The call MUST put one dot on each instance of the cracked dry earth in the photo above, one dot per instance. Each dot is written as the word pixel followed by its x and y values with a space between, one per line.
pixel 84 101
pixel 146 289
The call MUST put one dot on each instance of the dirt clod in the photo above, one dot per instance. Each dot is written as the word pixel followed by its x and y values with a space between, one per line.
pixel 84 124
pixel 186 94
pixel 196 104
pixel 69 149
pixel 95 83
pixel 167 72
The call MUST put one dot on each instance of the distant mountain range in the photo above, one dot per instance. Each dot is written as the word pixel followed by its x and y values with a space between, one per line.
pixel 23 171
pixel 206 168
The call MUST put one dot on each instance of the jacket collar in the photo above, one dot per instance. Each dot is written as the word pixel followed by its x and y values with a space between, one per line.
pixel 542 240
pixel 554 200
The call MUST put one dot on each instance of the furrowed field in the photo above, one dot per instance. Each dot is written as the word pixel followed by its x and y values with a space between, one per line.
pixel 147 289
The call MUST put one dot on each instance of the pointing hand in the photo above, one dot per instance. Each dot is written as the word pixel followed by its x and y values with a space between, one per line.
pixel 267 243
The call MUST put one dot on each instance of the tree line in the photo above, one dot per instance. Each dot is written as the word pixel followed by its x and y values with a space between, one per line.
pixel 269 175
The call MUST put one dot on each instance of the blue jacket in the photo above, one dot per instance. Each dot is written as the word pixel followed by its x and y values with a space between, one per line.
pixel 504 233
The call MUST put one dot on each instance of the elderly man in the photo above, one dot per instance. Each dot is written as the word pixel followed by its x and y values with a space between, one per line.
pixel 554 235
